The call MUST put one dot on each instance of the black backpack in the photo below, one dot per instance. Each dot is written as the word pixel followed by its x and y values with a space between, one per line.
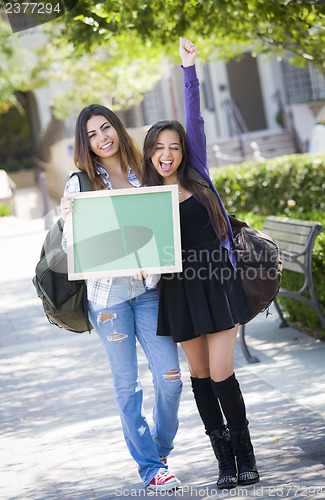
pixel 64 302
pixel 259 265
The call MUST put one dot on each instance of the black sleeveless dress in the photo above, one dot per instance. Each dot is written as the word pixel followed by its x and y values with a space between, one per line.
pixel 207 297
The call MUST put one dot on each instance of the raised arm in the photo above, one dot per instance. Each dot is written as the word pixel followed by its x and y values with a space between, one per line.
pixel 197 156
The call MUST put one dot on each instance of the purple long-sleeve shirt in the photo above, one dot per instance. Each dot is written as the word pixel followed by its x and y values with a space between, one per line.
pixel 197 155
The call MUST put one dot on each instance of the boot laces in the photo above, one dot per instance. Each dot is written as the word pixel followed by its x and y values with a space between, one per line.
pixel 226 463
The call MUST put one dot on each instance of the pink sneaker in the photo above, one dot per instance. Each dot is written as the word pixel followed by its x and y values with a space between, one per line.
pixel 163 481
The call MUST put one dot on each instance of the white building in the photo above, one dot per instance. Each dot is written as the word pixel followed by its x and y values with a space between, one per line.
pixel 254 100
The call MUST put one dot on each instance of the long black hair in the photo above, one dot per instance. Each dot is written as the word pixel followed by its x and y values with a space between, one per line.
pixel 189 178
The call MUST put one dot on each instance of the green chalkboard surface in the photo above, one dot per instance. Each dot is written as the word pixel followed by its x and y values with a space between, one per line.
pixel 118 232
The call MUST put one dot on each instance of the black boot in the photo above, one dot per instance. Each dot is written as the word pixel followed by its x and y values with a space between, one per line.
pixel 221 444
pixel 243 450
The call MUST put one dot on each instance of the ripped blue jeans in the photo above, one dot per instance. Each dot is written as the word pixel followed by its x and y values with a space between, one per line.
pixel 131 314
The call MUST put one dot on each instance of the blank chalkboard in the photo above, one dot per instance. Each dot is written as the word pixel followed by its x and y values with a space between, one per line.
pixel 120 231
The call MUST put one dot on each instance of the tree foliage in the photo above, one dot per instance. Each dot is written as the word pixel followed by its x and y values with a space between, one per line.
pixel 226 27
pixel 115 75
pixel 135 34
pixel 18 70
pixel 112 49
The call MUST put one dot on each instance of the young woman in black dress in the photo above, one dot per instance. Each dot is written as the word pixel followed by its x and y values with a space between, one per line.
pixel 202 307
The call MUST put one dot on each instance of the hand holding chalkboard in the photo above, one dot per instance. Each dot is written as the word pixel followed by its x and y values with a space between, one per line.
pixel 124 232
pixel 66 207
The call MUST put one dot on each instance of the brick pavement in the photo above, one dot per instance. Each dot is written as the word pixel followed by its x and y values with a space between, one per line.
pixel 60 433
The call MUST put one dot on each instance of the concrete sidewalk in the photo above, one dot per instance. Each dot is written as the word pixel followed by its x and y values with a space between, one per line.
pixel 60 432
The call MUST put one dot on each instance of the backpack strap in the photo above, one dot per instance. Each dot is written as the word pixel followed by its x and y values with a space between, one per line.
pixel 85 185
pixel 84 181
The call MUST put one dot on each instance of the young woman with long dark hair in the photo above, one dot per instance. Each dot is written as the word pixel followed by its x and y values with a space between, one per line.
pixel 124 310
pixel 202 307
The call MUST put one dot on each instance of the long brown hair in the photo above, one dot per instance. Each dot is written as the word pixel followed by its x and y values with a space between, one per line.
pixel 84 158
pixel 189 178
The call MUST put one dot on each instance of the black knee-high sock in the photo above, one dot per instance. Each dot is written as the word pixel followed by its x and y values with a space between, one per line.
pixel 232 403
pixel 207 404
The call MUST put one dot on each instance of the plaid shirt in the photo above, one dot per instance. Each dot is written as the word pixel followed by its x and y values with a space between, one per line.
pixel 98 289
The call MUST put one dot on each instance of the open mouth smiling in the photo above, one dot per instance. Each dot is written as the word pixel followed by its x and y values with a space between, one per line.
pixel 165 165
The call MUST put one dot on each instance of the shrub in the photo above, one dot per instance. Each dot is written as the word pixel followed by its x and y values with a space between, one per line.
pixel 285 186
pixel 5 210
pixel 282 185
pixel 18 164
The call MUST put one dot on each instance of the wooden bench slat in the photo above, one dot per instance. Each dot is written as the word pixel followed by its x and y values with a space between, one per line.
pixel 287 228
pixel 279 237
pixel 286 220
pixel 291 247
pixel 292 266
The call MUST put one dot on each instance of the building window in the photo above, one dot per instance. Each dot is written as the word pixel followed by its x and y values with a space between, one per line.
pixel 302 84
pixel 153 105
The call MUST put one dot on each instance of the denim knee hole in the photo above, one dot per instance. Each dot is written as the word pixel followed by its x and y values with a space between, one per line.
pixel 116 337
pixel 173 374
pixel 103 317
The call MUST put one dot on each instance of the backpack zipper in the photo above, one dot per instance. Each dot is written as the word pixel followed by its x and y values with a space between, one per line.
pixel 261 238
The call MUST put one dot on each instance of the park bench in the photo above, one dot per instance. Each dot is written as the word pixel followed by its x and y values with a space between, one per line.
pixel 296 239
